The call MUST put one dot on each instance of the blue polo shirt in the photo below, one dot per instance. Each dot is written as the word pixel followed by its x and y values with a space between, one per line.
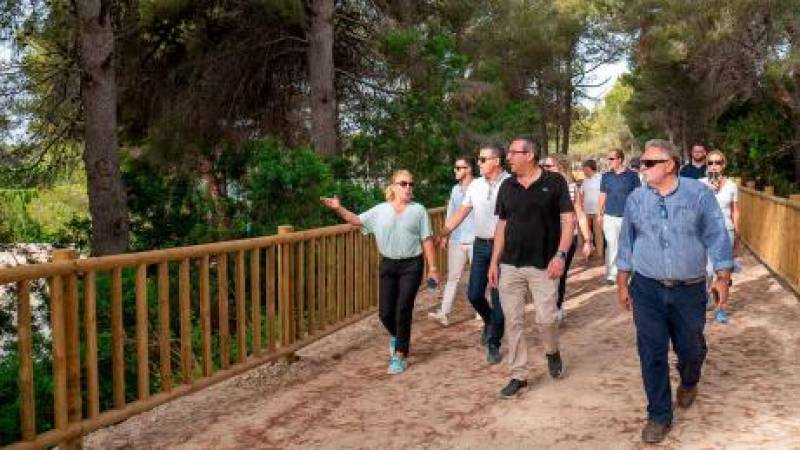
pixel 691 171
pixel 617 187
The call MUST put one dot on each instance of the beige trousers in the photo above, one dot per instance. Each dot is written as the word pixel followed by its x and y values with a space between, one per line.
pixel 515 283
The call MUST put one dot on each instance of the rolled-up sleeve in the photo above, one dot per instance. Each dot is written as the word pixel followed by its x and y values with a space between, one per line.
pixel 627 237
pixel 713 234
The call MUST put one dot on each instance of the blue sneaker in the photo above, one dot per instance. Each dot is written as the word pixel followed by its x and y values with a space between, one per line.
pixel 392 345
pixel 720 316
pixel 397 366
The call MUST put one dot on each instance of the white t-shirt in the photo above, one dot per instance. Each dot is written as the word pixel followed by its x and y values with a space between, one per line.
pixel 591 191
pixel 482 197
pixel 726 195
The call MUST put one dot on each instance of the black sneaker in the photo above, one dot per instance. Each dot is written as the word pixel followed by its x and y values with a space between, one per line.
pixel 513 388
pixel 493 355
pixel 484 335
pixel 555 365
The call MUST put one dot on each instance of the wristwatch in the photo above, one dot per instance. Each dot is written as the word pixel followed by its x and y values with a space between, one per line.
pixel 561 254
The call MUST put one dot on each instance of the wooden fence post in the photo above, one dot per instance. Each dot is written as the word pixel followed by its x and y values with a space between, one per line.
pixel 72 340
pixel 286 290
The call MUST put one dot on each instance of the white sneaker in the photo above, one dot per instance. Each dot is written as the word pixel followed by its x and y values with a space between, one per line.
pixel 440 317
pixel 560 315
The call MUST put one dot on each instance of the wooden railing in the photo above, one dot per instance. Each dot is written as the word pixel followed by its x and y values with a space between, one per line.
pixel 770 226
pixel 255 300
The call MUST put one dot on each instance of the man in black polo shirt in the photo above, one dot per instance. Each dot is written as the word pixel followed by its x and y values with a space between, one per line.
pixel 530 245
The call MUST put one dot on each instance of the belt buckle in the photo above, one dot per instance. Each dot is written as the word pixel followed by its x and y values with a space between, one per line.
pixel 668 283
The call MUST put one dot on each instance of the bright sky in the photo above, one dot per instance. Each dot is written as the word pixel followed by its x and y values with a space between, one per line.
pixel 608 72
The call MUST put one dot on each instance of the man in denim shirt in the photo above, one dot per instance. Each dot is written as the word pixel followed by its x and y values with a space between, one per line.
pixel 668 228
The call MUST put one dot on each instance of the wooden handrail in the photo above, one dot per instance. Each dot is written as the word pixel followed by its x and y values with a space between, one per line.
pixel 299 285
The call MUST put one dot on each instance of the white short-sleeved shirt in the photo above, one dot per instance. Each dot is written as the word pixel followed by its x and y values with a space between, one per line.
pixel 590 188
pixel 482 197
pixel 398 236
pixel 726 196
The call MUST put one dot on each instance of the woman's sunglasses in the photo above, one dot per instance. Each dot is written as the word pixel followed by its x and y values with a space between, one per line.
pixel 405 184
pixel 716 162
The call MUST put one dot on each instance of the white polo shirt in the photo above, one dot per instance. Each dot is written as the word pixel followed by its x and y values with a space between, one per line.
pixel 481 196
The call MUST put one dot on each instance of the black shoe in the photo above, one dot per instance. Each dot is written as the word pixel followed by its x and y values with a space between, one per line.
pixel 513 388
pixel 555 365
pixel 655 432
pixel 493 354
pixel 686 396
pixel 484 335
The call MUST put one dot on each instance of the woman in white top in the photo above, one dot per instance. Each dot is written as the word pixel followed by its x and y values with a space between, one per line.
pixel 560 164
pixel 402 230
pixel 727 194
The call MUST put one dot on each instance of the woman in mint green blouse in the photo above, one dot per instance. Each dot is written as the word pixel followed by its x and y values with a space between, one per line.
pixel 402 230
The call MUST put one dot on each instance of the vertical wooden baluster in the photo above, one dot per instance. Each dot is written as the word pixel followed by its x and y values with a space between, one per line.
pixel 255 297
pixel 27 405
pixel 271 263
pixel 164 344
pixel 205 313
pixel 142 356
pixel 90 322
pixel 241 316
pixel 348 273
pixel 322 283
pixel 222 301
pixel 59 352
pixel 330 293
pixel 311 278
pixel 72 340
pixel 340 265
pixel 300 282
pixel 185 302
pixel 117 339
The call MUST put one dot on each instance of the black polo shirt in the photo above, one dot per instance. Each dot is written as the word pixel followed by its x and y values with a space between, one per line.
pixel 533 219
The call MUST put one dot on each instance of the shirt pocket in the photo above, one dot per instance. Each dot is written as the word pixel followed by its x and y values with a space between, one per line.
pixel 687 218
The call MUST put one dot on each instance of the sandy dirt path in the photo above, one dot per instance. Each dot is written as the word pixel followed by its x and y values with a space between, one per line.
pixel 339 396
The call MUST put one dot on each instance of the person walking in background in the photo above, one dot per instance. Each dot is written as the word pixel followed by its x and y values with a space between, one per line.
pixel 727 194
pixel 532 238
pixel 669 229
pixel 615 186
pixel 590 192
pixel 559 164
pixel 481 198
pixel 402 230
pixel 459 245
pixel 696 168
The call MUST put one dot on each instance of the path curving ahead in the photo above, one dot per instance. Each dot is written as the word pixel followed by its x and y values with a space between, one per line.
pixel 339 396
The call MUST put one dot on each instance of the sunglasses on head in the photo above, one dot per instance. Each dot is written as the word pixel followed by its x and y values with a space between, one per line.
pixel 716 162
pixel 652 162
pixel 405 184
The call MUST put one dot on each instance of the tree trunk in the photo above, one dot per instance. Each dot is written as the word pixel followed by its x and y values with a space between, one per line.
pixel 566 116
pixel 321 78
pixel 107 199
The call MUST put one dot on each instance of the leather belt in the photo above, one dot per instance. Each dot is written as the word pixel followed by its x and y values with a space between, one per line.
pixel 689 282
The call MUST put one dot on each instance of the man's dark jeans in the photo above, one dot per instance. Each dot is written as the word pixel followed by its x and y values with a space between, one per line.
pixel 400 281
pixel 492 315
pixel 662 314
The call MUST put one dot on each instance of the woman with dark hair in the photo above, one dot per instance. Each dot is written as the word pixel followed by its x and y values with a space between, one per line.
pixel 402 230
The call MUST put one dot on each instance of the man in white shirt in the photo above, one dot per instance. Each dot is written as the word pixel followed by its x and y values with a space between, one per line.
pixel 481 198
pixel 590 188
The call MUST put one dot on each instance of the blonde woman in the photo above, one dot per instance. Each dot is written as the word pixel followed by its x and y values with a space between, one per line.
pixel 560 164
pixel 727 194
pixel 402 230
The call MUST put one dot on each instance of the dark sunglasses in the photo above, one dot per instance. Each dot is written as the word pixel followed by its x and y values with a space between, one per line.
pixel 460 168
pixel 405 183
pixel 652 162
pixel 546 166
pixel 482 159
pixel 612 159
pixel 716 163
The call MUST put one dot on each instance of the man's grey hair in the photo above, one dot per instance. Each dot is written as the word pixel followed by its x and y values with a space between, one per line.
pixel 668 148
pixel 529 146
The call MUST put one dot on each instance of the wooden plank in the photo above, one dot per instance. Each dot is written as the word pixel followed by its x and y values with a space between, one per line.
pixel 255 297
pixel 241 317
pixel 224 319
pixel 340 277
pixel 311 278
pixel 330 312
pixel 348 273
pixel 72 330
pixel 164 345
pixel 90 323
pixel 205 313
pixel 271 273
pixel 300 281
pixel 27 405
pixel 117 339
pixel 142 356
pixel 61 415
pixel 185 315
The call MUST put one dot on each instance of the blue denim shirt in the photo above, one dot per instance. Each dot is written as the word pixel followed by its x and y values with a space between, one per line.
pixel 669 237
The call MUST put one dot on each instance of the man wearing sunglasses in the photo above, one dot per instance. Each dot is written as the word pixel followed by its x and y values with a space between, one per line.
pixel 459 246
pixel 615 186
pixel 480 198
pixel 668 230
pixel 696 168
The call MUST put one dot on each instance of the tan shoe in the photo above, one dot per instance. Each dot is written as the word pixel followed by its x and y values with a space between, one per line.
pixel 686 396
pixel 655 432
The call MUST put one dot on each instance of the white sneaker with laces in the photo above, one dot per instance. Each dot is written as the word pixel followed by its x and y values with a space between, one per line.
pixel 440 317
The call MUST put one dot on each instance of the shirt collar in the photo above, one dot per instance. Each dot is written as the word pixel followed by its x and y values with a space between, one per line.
pixel 671 191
